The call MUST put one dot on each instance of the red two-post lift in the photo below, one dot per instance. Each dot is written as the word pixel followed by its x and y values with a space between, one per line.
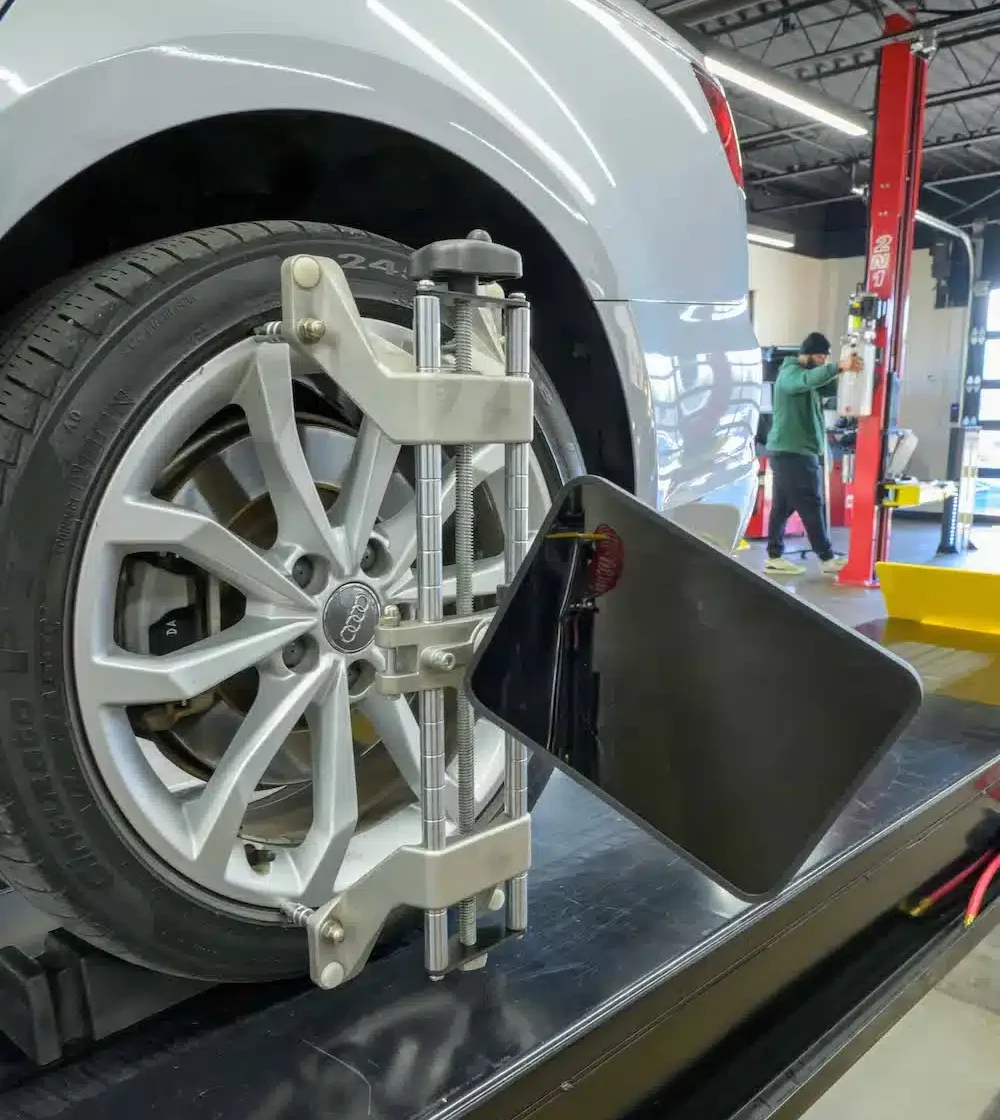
pixel 895 186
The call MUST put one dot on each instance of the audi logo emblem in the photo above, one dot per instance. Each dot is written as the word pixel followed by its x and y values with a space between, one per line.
pixel 351 616
pixel 360 609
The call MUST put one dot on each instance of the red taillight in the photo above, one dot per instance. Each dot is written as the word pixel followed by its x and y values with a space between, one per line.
pixel 723 117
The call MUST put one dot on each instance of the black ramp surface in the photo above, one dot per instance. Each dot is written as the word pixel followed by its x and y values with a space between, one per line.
pixel 699 698
pixel 614 916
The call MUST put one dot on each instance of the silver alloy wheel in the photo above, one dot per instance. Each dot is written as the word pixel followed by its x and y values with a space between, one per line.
pixel 302 638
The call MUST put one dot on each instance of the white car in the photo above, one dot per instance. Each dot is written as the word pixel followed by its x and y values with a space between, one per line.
pixel 168 769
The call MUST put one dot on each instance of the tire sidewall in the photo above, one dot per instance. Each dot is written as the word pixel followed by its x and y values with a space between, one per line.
pixel 51 790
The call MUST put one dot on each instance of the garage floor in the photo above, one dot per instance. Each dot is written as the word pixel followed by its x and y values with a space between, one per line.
pixel 941 1060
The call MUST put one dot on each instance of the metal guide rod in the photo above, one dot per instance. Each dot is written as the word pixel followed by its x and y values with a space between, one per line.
pixel 430 604
pixel 465 730
pixel 461 265
pixel 518 363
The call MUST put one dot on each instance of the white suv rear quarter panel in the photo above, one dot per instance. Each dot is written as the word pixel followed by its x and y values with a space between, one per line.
pixel 595 124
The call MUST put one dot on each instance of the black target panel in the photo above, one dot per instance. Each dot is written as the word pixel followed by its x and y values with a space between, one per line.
pixel 724 715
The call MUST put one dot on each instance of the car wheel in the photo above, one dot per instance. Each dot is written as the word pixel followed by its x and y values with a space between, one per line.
pixel 177 756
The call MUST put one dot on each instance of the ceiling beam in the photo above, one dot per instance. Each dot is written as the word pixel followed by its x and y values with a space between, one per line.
pixel 837 67
pixel 697 11
pixel 977 204
pixel 971 177
pixel 768 12
pixel 843 164
pixel 805 205
pixel 774 136
pixel 936 27
pixel 966 93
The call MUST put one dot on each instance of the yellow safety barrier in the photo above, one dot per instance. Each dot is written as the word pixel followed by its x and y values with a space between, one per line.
pixel 953 598
pixel 899 495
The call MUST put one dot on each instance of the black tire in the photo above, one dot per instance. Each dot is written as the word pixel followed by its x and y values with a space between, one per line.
pixel 80 371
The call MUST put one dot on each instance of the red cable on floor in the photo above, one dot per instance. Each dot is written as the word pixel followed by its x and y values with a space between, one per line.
pixel 945 889
pixel 980 889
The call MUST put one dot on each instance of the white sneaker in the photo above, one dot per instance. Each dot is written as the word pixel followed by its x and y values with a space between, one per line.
pixel 779 566
pixel 832 566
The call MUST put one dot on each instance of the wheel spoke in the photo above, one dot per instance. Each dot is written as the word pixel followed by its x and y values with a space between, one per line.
pixel 335 793
pixel 363 490
pixel 266 398
pixel 400 530
pixel 396 725
pixel 216 814
pixel 118 678
pixel 148 524
pixel 487 575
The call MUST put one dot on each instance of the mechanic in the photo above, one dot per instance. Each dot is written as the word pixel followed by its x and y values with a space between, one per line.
pixel 794 451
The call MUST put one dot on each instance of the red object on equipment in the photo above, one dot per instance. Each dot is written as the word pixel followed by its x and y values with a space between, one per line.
pixel 895 184
pixel 841 497
pixel 605 569
pixel 757 525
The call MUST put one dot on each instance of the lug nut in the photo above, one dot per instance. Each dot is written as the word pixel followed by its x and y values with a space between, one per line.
pixel 332 930
pixel 292 654
pixel 310 330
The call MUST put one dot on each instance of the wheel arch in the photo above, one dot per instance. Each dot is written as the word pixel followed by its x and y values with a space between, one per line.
pixel 311 165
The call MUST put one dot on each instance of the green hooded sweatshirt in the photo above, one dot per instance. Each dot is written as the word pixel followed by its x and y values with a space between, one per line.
pixel 798 416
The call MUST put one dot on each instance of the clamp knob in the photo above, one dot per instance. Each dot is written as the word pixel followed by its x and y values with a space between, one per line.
pixel 471 259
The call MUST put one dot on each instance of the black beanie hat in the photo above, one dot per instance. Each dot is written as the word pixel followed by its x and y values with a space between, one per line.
pixel 815 343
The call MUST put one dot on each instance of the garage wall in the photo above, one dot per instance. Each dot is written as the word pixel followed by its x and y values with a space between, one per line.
pixel 789 295
pixel 794 294
pixel 932 365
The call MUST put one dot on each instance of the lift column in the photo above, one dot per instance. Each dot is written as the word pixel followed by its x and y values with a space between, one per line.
pixel 895 185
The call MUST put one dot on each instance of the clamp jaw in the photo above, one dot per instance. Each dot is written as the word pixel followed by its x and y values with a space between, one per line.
pixel 419 400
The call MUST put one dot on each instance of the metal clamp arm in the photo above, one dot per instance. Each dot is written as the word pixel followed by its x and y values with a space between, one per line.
pixel 428 654
pixel 321 319
pixel 343 932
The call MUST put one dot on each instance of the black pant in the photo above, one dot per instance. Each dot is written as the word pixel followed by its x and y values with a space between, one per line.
pixel 796 487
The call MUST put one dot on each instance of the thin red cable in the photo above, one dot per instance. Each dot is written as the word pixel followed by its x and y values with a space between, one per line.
pixel 946 889
pixel 980 889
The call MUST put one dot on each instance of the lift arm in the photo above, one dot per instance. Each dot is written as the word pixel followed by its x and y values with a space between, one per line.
pixel 895 186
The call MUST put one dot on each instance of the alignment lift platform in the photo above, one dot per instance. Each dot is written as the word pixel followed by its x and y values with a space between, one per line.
pixel 640 985
pixel 720 917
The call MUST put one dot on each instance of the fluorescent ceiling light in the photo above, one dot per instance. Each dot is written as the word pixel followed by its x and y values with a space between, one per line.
pixel 775 238
pixel 781 96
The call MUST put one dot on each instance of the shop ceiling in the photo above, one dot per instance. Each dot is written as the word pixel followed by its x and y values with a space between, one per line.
pixel 799 173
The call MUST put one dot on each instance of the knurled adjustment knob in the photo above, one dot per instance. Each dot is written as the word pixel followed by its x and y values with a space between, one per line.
pixel 475 257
